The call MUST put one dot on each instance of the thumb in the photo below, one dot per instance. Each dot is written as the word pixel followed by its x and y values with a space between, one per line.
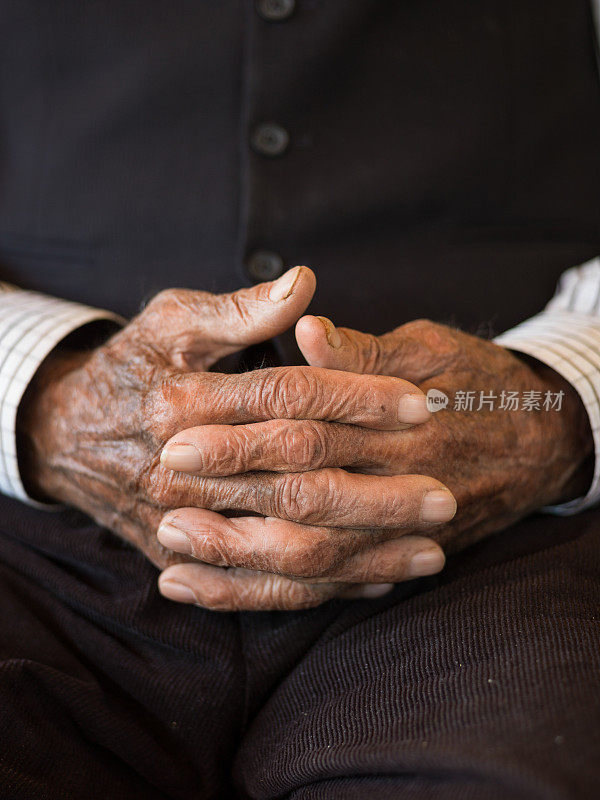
pixel 414 351
pixel 194 329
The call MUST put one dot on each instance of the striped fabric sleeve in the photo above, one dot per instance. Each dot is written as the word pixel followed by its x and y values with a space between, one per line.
pixel 566 336
pixel 31 325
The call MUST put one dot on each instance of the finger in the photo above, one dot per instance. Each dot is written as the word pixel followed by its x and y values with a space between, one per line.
pixel 324 345
pixel 276 446
pixel 327 497
pixel 416 351
pixel 236 589
pixel 393 561
pixel 372 401
pixel 259 543
pixel 298 551
pixel 195 329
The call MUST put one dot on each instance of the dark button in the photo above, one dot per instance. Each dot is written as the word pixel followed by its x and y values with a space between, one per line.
pixel 270 139
pixel 275 10
pixel 263 265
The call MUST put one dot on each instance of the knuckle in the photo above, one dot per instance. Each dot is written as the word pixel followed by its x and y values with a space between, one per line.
pixel 303 447
pixel 418 327
pixel 165 298
pixel 288 391
pixel 373 357
pixel 438 338
pixel 158 485
pixel 240 448
pixel 284 594
pixel 250 592
pixel 169 490
pixel 157 414
pixel 237 308
pixel 270 593
pixel 237 591
pixel 331 494
pixel 291 499
pixel 436 346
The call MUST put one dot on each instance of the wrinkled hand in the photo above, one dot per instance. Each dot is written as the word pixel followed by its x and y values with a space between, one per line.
pixel 96 422
pixel 340 526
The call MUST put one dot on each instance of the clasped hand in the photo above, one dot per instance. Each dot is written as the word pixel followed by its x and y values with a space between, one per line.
pixel 282 488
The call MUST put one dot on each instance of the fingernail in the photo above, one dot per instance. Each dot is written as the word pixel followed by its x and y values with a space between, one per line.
pixel 331 332
pixel 413 409
pixel 177 591
pixel 427 562
pixel 173 539
pixel 373 590
pixel 284 286
pixel 181 457
pixel 376 589
pixel 438 506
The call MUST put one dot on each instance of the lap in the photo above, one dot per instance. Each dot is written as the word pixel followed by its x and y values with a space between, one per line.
pixel 479 683
pixel 483 684
pixel 107 690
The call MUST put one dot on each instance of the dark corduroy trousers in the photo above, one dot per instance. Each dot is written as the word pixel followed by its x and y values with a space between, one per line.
pixel 483 682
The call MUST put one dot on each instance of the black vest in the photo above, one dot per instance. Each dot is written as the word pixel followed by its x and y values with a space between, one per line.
pixel 443 158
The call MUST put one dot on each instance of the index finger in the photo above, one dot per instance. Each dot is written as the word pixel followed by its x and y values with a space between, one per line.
pixel 371 401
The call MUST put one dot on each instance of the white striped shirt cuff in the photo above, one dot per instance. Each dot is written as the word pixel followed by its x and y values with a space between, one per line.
pixel 31 325
pixel 566 336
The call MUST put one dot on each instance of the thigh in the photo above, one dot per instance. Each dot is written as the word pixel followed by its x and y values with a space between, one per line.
pixel 483 683
pixel 108 690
